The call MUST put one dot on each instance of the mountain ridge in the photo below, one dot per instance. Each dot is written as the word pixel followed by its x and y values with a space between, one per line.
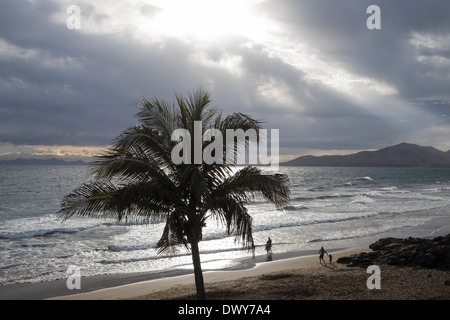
pixel 400 155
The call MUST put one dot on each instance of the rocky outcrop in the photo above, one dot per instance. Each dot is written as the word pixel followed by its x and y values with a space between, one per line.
pixel 412 252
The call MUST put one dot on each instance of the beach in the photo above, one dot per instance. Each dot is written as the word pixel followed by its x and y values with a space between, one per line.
pixel 342 209
pixel 299 278
pixel 330 207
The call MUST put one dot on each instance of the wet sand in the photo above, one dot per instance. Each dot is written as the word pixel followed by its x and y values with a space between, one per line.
pixel 300 278
pixel 286 278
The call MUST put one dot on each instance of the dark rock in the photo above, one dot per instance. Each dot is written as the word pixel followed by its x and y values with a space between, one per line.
pixel 424 260
pixel 344 260
pixel 414 252
pixel 382 243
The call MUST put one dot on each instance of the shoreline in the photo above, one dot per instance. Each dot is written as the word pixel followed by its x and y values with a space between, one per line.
pixel 154 289
pixel 289 276
pixel 58 288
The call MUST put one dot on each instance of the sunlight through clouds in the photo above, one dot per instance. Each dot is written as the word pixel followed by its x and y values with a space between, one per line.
pixel 277 93
pixel 202 21
pixel 227 62
pixel 86 153
pixel 206 20
pixel 309 67
pixel 317 69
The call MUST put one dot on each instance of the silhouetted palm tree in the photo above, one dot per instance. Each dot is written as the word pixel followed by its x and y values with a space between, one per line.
pixel 136 180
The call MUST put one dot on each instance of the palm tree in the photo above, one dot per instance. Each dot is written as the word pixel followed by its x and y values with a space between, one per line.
pixel 136 180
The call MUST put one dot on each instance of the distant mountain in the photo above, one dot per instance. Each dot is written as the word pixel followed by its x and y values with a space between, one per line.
pixel 401 155
pixel 52 162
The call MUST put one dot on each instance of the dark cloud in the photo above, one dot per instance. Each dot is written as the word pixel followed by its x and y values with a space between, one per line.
pixel 337 30
pixel 322 78
pixel 80 88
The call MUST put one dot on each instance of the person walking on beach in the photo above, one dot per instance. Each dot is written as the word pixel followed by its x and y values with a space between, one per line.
pixel 269 245
pixel 269 249
pixel 321 253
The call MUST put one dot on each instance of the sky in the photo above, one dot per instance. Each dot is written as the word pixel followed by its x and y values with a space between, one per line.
pixel 73 72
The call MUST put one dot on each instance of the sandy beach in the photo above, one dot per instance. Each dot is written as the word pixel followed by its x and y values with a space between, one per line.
pixel 300 278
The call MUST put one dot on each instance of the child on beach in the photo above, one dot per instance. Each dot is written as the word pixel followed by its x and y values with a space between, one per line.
pixel 331 257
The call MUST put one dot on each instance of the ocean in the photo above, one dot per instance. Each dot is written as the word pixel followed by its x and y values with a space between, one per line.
pixel 330 207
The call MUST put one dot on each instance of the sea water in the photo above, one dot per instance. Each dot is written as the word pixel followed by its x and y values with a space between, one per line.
pixel 330 207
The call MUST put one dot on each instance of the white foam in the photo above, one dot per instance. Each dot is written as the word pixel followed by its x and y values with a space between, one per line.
pixel 42 226
pixel 362 199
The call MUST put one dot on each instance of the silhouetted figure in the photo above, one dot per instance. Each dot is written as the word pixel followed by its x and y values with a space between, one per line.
pixel 269 249
pixel 269 245
pixel 321 253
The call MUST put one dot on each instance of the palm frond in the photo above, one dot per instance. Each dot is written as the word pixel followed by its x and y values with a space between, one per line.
pixel 90 199
pixel 239 120
pixel 131 202
pixel 158 114
pixel 238 124
pixel 135 151
pixel 234 215
pixel 173 234
pixel 198 103
pixel 250 181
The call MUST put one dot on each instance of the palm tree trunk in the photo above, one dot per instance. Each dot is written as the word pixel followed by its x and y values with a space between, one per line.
pixel 198 271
